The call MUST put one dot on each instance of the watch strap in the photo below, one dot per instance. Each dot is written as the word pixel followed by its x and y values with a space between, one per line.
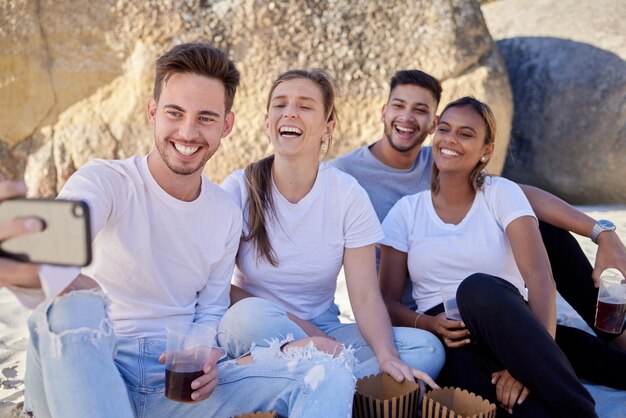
pixel 598 228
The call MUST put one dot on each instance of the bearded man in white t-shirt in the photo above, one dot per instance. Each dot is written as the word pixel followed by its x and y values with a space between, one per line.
pixel 165 239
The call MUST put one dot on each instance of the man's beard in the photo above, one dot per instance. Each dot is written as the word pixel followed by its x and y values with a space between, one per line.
pixel 182 170
pixel 418 141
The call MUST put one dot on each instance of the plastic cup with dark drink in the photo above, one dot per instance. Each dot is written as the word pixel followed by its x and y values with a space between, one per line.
pixel 611 308
pixel 189 347
pixel 449 304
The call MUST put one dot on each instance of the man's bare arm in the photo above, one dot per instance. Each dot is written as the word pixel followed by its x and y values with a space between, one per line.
pixel 611 251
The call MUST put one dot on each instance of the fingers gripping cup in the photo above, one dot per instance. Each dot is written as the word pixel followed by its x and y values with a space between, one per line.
pixel 189 347
pixel 611 307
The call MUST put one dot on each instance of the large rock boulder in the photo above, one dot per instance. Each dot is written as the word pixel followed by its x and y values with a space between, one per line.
pixel 52 57
pixel 565 61
pixel 75 75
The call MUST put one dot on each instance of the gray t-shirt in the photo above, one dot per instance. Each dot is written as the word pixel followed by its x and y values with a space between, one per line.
pixel 386 185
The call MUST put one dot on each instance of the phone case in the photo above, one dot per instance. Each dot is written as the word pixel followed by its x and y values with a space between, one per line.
pixel 65 240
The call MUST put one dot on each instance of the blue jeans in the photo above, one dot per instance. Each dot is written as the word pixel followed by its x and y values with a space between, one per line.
pixel 77 368
pixel 257 321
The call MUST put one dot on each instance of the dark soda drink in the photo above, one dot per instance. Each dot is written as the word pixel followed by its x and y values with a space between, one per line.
pixel 610 315
pixel 178 378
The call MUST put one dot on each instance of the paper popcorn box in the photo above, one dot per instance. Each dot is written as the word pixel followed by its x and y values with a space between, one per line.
pixel 267 414
pixel 456 403
pixel 380 396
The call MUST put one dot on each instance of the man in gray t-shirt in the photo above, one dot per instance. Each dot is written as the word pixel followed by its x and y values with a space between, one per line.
pixel 397 165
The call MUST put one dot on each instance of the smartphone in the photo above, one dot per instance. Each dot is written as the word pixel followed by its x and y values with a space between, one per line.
pixel 65 239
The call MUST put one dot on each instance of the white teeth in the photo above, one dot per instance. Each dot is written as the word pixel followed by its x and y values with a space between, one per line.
pixel 186 150
pixel 449 152
pixel 290 129
pixel 404 130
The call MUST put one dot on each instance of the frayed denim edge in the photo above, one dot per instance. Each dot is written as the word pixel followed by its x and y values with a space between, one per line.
pixel 105 328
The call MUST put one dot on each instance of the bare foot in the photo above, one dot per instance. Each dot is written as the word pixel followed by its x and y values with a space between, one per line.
pixel 321 343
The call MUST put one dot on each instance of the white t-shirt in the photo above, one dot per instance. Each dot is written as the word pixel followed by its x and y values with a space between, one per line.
pixel 441 255
pixel 159 259
pixel 308 239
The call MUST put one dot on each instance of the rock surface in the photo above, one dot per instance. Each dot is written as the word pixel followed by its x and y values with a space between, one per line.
pixel 75 75
pixel 567 68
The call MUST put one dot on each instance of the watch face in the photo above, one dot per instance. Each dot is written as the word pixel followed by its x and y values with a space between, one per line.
pixel 606 224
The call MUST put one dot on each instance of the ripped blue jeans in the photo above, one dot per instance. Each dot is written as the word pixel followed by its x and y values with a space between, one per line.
pixel 77 368
pixel 256 321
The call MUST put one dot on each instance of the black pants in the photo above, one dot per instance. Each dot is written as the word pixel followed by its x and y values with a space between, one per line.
pixel 508 335
pixel 592 358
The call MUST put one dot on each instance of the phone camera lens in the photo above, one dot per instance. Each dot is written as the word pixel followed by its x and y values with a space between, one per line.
pixel 77 210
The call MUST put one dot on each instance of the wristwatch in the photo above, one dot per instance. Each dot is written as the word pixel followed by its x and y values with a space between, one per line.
pixel 601 226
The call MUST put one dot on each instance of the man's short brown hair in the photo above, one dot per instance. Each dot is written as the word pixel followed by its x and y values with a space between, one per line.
pixel 416 78
pixel 198 58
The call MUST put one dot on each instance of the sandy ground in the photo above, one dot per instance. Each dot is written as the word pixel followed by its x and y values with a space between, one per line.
pixel 13 335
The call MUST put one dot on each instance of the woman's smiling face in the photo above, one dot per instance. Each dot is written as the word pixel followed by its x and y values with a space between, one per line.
pixel 296 120
pixel 459 141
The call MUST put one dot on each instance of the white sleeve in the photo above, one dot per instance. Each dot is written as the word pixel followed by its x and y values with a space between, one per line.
pixel 397 226
pixel 99 186
pixel 361 225
pixel 211 306
pixel 507 201
pixel 105 190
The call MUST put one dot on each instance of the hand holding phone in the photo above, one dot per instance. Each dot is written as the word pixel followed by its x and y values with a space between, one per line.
pixel 64 240
pixel 13 273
